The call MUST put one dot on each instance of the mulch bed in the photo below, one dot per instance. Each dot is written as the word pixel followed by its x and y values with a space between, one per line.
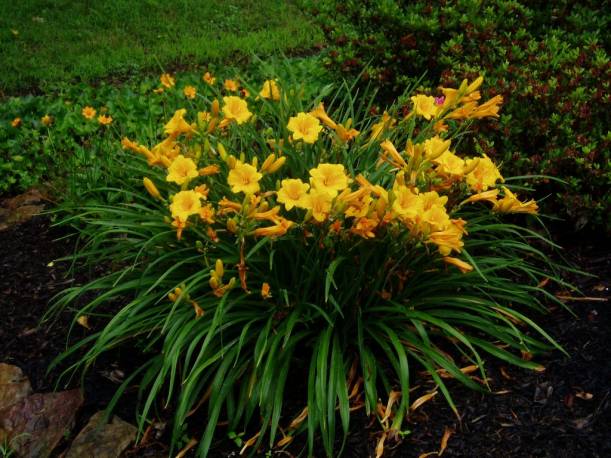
pixel 562 412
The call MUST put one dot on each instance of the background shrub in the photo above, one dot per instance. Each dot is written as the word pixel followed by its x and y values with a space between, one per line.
pixel 548 60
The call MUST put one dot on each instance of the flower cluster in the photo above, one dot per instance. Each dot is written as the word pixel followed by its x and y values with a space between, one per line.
pixel 412 194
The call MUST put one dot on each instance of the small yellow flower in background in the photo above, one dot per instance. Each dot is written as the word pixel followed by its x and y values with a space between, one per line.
pixel 208 78
pixel 305 127
pixel 16 122
pixel 182 170
pixel 46 120
pixel 424 105
pixel 105 120
pixel 185 204
pixel 293 193
pixel 270 90
pixel 88 112
pixel 484 175
pixel 265 291
pixel 236 109
pixel 231 85
pixel 167 80
pixel 330 178
pixel 244 178
pixel 319 202
pixel 244 92
pixel 177 125
pixel 190 92
pixel 159 90
pixel 510 204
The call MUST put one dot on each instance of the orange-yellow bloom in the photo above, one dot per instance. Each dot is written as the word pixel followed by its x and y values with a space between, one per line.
pixel 274 231
pixel 177 125
pixel 365 227
pixel 208 78
pixel 46 120
pixel 167 80
pixel 16 122
pixel 185 204
pixel 209 170
pixel 490 108
pixel 236 109
pixel 189 92
pixel 88 112
pixel 319 202
pixel 424 105
pixel 293 193
pixel 182 170
pixel 265 291
pixel 105 120
pixel 484 175
pixel 231 85
pixel 244 178
pixel 510 204
pixel 206 213
pixel 304 127
pixel 330 178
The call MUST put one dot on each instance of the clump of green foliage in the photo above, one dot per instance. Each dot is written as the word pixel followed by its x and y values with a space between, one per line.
pixel 549 60
pixel 235 287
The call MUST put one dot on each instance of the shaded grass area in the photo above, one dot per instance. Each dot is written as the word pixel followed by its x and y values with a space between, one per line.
pixel 44 42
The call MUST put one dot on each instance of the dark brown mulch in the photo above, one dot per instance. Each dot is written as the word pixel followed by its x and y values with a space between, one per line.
pixel 562 412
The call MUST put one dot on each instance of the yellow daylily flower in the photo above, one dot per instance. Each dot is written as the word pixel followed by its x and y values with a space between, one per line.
pixel 182 170
pixel 236 109
pixel 305 127
pixel 293 193
pixel 331 178
pixel 244 178
pixel 185 204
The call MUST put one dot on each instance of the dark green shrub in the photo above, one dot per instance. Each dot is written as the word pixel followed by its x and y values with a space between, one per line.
pixel 547 59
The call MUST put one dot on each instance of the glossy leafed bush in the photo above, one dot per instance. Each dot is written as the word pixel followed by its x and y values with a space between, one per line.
pixel 549 60
pixel 273 237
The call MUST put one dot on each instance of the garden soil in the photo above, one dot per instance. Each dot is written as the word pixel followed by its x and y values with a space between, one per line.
pixel 564 411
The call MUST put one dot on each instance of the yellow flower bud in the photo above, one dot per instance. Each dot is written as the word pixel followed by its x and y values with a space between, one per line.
pixel 277 164
pixel 151 188
pixel 268 161
pixel 221 150
pixel 218 268
pixel 232 226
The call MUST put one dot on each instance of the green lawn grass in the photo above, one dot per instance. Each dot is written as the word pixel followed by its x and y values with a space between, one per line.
pixel 43 42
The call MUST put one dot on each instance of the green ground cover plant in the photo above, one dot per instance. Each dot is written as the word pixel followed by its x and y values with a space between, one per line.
pixel 44 139
pixel 43 43
pixel 284 229
pixel 549 60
